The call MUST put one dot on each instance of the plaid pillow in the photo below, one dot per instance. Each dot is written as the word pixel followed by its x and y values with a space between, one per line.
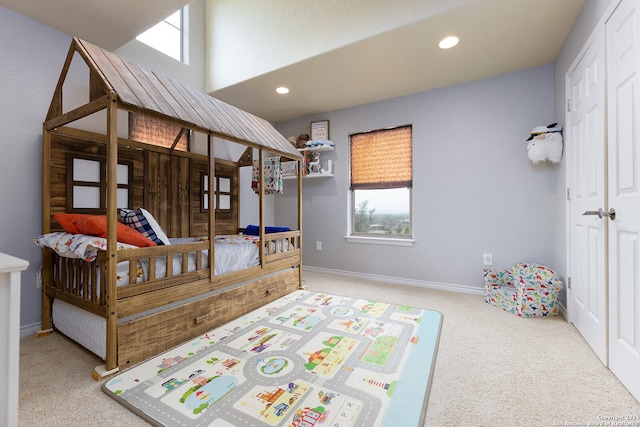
pixel 141 220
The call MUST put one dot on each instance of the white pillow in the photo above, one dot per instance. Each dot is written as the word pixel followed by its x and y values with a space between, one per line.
pixel 156 227
pixel 142 221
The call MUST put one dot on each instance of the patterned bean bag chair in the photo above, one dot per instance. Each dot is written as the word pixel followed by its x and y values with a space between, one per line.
pixel 527 290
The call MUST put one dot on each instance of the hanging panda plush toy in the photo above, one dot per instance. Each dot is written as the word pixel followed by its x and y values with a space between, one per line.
pixel 545 144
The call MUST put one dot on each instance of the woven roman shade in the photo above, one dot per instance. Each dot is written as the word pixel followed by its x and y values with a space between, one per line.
pixel 381 159
pixel 147 129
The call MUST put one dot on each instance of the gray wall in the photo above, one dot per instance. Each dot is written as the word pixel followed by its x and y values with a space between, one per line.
pixel 474 189
pixel 32 58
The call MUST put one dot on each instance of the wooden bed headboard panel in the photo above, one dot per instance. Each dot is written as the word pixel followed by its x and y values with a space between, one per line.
pixel 168 185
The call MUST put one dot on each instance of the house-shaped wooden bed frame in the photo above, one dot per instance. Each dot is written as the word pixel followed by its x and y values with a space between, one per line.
pixel 147 316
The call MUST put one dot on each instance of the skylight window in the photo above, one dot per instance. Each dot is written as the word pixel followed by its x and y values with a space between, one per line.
pixel 168 36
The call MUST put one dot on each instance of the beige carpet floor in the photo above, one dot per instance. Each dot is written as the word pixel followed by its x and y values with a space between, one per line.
pixel 492 369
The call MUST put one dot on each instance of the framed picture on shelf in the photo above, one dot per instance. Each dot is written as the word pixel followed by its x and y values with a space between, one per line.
pixel 320 130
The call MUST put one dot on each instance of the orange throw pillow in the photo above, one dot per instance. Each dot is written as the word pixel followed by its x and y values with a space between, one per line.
pixel 95 225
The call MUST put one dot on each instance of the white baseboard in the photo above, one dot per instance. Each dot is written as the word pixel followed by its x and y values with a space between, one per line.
pixel 563 312
pixel 32 328
pixel 412 282
pixel 398 281
pixel 29 329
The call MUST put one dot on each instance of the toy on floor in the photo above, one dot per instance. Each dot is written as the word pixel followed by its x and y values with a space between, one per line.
pixel 527 290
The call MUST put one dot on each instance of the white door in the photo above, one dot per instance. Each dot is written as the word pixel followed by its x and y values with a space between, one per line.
pixel 585 136
pixel 623 93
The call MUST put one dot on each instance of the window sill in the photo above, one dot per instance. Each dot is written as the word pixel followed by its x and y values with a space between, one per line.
pixel 380 240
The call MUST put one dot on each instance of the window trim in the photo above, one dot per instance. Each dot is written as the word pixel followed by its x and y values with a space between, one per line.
pixel 216 193
pixel 391 241
pixel 101 184
pixel 371 238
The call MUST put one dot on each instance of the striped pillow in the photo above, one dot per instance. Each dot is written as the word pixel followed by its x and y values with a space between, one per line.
pixel 140 219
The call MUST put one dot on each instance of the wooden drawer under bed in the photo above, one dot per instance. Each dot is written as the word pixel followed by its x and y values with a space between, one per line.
pixel 148 336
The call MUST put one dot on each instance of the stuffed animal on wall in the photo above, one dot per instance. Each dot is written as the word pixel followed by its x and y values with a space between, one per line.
pixel 539 130
pixel 545 144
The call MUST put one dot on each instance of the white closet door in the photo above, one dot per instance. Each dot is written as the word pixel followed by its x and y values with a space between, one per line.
pixel 623 93
pixel 585 138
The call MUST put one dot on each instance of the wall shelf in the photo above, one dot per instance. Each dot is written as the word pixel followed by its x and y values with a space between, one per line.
pixel 316 147
pixel 319 148
pixel 310 175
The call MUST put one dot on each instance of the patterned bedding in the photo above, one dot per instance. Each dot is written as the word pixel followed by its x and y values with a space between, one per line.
pixel 233 252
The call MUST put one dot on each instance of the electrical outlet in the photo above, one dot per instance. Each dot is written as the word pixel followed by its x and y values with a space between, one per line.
pixel 487 259
pixel 318 246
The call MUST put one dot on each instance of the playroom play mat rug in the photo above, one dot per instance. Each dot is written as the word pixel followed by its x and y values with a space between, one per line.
pixel 307 359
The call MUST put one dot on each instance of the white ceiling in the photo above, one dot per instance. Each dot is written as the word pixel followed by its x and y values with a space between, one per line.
pixel 496 37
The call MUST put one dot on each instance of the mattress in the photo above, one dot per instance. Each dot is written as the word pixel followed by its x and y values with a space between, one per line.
pixel 87 329
pixel 90 330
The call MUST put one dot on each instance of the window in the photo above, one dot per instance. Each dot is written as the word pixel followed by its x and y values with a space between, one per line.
pixel 381 181
pixel 221 193
pixel 87 181
pixel 168 36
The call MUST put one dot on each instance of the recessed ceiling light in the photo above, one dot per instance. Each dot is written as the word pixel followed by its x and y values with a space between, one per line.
pixel 448 42
pixel 282 90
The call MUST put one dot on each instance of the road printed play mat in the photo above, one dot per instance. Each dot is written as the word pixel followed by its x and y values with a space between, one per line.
pixel 306 359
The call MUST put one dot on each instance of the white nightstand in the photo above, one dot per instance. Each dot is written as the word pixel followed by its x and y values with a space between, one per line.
pixel 10 268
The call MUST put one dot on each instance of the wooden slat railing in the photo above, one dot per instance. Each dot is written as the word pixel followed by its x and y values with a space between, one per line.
pixel 281 245
pixel 84 283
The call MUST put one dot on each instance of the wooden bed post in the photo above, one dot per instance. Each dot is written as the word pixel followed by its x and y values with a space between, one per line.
pixel 261 187
pixel 301 285
pixel 47 274
pixel 111 360
pixel 212 210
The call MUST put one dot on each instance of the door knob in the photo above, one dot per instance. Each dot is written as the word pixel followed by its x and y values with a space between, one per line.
pixel 611 213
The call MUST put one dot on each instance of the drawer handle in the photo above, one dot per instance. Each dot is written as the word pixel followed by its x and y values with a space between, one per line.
pixel 200 319
pixel 270 291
